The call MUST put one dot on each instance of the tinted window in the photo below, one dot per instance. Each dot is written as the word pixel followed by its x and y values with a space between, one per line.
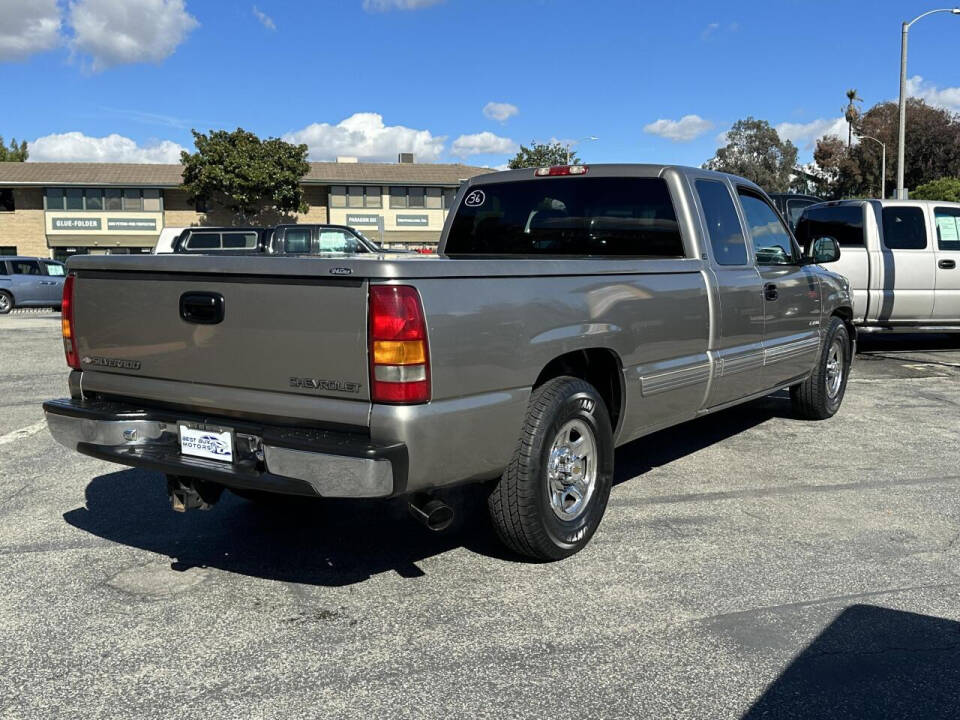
pixel 3 268
pixel 948 228
pixel 567 216
pixel 297 240
pixel 723 225
pixel 795 209
pixel 239 240
pixel 94 200
pixel 25 267
pixel 771 240
pixel 74 198
pixel 54 199
pixel 132 200
pixel 54 268
pixel 203 241
pixel 338 241
pixel 6 200
pixel 841 222
pixel 903 228
pixel 113 200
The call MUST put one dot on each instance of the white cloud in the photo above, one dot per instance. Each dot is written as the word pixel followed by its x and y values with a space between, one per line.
pixel 120 32
pixel 805 135
pixel 264 19
pixel 709 30
pixel 482 143
pixel 948 98
pixel 687 128
pixel 365 136
pixel 501 112
pixel 28 27
pixel 386 5
pixel 77 147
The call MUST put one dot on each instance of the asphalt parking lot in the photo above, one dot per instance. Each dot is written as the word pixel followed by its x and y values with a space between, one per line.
pixel 749 565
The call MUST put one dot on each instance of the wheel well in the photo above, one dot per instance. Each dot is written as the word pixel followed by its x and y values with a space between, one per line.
pixel 846 314
pixel 597 366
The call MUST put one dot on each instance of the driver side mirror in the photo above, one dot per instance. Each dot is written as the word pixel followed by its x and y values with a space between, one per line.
pixel 823 250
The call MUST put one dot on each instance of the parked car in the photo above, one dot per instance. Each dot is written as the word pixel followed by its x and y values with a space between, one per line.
pixel 167 239
pixel 30 282
pixel 791 205
pixel 228 240
pixel 901 259
pixel 570 310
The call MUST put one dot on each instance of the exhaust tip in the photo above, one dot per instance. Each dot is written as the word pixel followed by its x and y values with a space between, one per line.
pixel 434 514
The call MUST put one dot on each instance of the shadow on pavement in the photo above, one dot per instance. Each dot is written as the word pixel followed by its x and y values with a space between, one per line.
pixel 871 662
pixel 666 446
pixel 300 540
pixel 341 542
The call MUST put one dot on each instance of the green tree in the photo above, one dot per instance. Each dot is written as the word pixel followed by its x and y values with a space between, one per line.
pixel 14 153
pixel 945 189
pixel 250 176
pixel 755 151
pixel 543 155
pixel 932 151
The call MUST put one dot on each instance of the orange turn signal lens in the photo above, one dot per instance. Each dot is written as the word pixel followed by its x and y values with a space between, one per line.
pixel 399 352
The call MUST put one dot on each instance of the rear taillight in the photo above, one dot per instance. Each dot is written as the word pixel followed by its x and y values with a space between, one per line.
pixel 399 357
pixel 66 321
pixel 561 170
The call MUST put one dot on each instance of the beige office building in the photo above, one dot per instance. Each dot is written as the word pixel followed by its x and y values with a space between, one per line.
pixel 62 209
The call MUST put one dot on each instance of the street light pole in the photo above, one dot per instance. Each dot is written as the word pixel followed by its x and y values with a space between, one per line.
pixel 883 165
pixel 570 144
pixel 902 131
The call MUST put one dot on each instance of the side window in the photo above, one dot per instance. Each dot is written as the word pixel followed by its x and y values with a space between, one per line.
pixel 239 240
pixel 904 228
pixel 844 223
pixel 948 228
pixel 771 240
pixel 296 240
pixel 337 241
pixel 53 268
pixel 25 267
pixel 795 209
pixel 203 241
pixel 723 225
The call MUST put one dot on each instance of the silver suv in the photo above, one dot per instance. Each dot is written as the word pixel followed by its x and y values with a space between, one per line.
pixel 30 282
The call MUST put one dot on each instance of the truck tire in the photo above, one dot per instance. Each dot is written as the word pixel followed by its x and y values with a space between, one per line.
pixel 551 498
pixel 6 302
pixel 819 396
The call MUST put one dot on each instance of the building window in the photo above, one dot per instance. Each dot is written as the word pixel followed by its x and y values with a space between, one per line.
pixel 201 204
pixel 113 199
pixel 338 196
pixel 6 200
pixel 449 195
pixel 355 196
pixel 151 200
pixel 54 199
pixel 415 197
pixel 372 197
pixel 74 198
pixel 132 200
pixel 398 197
pixel 434 199
pixel 8 249
pixel 94 199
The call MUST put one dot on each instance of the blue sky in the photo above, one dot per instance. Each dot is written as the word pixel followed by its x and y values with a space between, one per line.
pixel 452 80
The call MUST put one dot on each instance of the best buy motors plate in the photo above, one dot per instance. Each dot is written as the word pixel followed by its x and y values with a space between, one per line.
pixel 206 442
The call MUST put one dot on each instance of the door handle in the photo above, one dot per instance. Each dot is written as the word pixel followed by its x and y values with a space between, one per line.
pixel 770 291
pixel 947 264
pixel 202 308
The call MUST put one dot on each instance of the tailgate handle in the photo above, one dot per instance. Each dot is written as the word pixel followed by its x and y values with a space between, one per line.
pixel 203 308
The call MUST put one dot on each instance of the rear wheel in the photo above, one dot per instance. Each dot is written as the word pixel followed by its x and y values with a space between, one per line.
pixel 6 302
pixel 819 396
pixel 550 500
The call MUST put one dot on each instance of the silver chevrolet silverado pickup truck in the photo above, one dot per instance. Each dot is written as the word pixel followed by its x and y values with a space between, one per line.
pixel 570 310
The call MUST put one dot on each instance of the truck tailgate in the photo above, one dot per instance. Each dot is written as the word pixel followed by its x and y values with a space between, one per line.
pixel 305 336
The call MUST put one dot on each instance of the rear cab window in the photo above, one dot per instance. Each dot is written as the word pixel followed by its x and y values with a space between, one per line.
pixel 564 216
pixel 844 223
pixel 948 228
pixel 904 228
pixel 723 224
pixel 207 241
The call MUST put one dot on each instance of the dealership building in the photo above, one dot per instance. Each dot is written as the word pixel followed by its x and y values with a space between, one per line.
pixel 62 209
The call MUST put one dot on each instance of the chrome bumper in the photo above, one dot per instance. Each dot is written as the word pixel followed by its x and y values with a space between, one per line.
pixel 266 457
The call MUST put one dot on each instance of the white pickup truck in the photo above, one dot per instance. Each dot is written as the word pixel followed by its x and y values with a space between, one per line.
pixel 901 258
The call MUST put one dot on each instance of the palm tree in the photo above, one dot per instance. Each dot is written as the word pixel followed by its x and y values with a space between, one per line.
pixel 852 114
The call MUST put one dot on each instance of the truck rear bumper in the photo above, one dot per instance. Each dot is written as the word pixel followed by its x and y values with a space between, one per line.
pixel 296 461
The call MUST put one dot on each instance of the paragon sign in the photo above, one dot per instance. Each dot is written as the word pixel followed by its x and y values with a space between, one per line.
pixel 74 223
pixel 363 219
